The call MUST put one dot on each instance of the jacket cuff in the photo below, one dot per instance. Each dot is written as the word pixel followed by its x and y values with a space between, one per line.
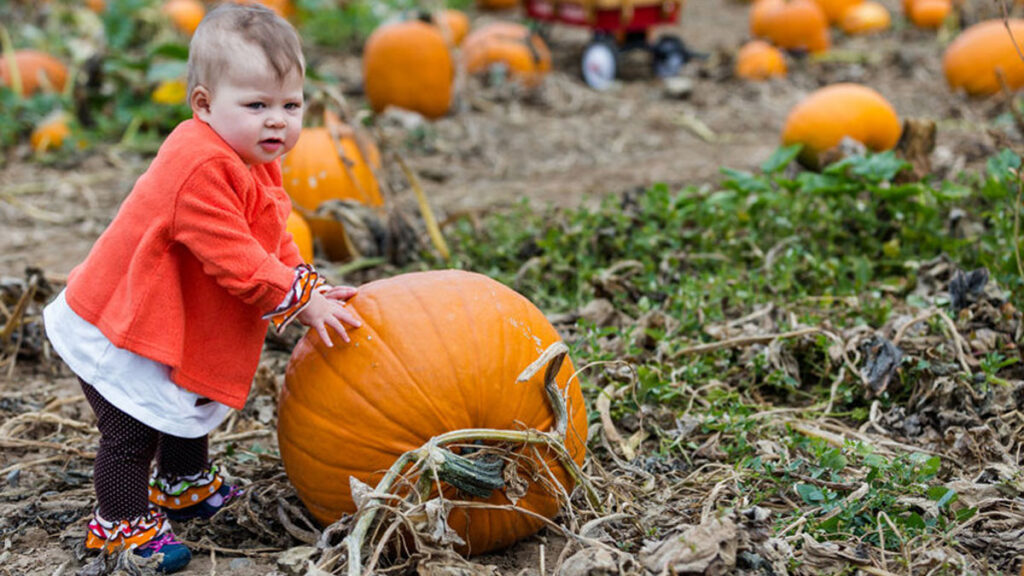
pixel 307 279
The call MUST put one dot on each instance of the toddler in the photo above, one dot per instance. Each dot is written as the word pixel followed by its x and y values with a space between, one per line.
pixel 164 321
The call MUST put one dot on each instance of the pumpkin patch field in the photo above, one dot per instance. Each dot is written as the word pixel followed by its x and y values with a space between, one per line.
pixel 758 313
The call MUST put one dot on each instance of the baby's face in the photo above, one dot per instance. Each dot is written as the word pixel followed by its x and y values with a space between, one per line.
pixel 260 117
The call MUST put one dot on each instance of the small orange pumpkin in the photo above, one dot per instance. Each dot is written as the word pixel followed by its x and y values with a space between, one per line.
pixel 330 163
pixel 930 13
pixel 834 9
pixel 50 132
pixel 508 44
pixel 867 17
pixel 301 234
pixel 38 71
pixel 791 24
pixel 282 8
pixel 407 64
pixel 184 14
pixel 980 54
pixel 758 60
pixel 97 6
pixel 438 351
pixel 822 119
pixel 454 24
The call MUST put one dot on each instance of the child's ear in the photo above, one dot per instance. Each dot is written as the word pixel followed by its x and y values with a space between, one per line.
pixel 199 100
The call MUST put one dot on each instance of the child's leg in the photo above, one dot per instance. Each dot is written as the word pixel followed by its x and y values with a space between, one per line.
pixel 185 483
pixel 182 456
pixel 121 469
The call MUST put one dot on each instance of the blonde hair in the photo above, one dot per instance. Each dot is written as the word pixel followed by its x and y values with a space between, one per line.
pixel 228 29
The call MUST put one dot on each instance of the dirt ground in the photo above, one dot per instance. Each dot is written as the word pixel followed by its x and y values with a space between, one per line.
pixel 565 145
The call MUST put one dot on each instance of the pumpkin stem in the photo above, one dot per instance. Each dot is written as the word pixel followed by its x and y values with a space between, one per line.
pixel 553 358
pixel 478 477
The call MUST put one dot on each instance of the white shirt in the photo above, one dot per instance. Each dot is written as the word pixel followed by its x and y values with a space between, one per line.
pixel 138 386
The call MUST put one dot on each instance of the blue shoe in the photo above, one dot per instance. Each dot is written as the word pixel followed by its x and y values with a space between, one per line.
pixel 145 536
pixel 207 508
pixel 175 554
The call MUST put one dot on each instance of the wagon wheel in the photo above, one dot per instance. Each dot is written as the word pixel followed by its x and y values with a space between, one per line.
pixel 669 56
pixel 600 62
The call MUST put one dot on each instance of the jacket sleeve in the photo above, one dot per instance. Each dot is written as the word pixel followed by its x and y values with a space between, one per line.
pixel 289 251
pixel 210 220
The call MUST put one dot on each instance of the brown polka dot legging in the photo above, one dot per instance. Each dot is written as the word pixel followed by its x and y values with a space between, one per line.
pixel 127 447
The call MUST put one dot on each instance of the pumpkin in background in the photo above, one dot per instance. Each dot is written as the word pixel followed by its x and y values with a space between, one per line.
pixel 454 25
pixel 301 234
pixel 834 9
pixel 822 119
pixel 930 13
pixel 438 351
pixel 759 60
pixel 975 57
pixel 791 24
pixel 865 18
pixel 39 72
pixel 50 132
pixel 407 64
pixel 331 162
pixel 184 14
pixel 96 6
pixel 282 8
pixel 511 45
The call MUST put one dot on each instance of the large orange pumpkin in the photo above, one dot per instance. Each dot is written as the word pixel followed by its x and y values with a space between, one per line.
pixel 834 9
pixel 438 351
pixel 791 24
pixel 301 234
pixel 38 72
pixel 822 119
pixel 976 58
pixel 508 44
pixel 865 18
pixel 407 64
pixel 330 163
pixel 758 60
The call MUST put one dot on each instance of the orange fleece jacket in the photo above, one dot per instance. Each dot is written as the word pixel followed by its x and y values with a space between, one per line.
pixel 197 253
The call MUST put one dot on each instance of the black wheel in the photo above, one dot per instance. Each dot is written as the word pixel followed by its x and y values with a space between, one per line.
pixel 600 63
pixel 670 55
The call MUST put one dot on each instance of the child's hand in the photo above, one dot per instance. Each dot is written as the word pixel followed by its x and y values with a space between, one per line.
pixel 326 310
pixel 340 292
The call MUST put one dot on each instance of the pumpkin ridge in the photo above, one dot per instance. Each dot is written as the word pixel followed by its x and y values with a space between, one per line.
pixel 427 399
pixel 417 437
pixel 314 416
pixel 452 360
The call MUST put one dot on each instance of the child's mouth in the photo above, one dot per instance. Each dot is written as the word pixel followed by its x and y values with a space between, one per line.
pixel 271 144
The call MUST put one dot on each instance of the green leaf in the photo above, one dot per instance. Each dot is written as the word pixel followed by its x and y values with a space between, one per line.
pixel 834 460
pixel 744 182
pixel 900 192
pixel 812 183
pixel 167 70
pixel 781 158
pixel 878 167
pixel 173 50
pixel 941 495
pixel 810 493
pixel 952 191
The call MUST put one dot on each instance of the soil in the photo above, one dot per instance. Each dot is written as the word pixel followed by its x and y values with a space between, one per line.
pixel 565 145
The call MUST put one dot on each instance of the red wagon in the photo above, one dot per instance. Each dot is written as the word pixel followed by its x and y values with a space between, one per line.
pixel 617 25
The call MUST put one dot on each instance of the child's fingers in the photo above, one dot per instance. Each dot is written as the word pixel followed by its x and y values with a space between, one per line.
pixel 334 323
pixel 321 329
pixel 341 292
pixel 349 316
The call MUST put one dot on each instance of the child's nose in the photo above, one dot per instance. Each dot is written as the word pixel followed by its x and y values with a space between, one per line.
pixel 274 121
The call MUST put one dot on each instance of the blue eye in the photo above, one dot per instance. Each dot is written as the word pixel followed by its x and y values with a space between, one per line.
pixel 254 105
pixel 292 106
